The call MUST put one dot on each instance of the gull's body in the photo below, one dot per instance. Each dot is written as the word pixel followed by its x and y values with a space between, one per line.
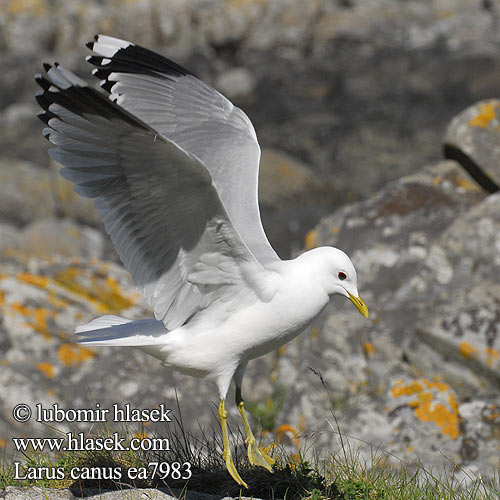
pixel 173 168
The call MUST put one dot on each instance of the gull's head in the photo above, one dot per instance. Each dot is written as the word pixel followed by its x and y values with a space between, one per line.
pixel 337 275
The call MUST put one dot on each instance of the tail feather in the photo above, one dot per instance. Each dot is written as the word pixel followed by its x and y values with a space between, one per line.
pixel 101 323
pixel 112 330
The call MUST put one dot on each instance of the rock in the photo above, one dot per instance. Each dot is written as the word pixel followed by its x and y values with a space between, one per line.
pixel 423 248
pixel 472 139
pixel 465 325
pixel 291 199
pixel 45 238
pixel 234 83
pixel 26 192
pixel 37 493
pixel 29 192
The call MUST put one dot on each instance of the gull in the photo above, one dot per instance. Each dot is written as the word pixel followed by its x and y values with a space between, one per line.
pixel 173 168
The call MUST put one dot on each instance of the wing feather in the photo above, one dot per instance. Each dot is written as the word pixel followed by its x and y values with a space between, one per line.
pixel 157 202
pixel 197 118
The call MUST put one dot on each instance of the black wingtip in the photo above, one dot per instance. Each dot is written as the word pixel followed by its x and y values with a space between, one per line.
pixel 47 66
pixel 90 45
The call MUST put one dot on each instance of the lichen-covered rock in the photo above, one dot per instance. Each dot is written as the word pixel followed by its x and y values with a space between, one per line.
pixel 473 138
pixel 424 249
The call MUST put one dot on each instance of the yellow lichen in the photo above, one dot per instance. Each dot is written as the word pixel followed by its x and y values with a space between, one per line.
pixel 311 240
pixel 33 279
pixel 104 294
pixel 485 116
pixel 430 411
pixel 435 384
pixel 72 354
pixel 37 317
pixel 467 350
pixel 47 369
pixel 426 409
pixel 492 356
pixel 286 430
pixel 369 349
pixel 31 7
pixel 402 389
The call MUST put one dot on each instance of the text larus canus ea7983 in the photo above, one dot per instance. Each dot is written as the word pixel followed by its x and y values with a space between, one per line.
pixel 173 168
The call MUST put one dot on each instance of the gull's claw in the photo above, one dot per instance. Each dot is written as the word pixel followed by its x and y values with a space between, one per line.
pixel 258 457
pixel 231 468
pixel 255 455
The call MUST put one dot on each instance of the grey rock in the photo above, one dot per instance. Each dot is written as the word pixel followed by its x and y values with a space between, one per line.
pixel 35 493
pixel 423 251
pixel 236 82
pixel 473 139
pixel 26 192
pixel 45 238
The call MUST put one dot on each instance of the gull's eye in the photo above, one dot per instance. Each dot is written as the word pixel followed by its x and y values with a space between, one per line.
pixel 342 276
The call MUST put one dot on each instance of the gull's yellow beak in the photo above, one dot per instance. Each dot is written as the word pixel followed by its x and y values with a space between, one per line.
pixel 360 305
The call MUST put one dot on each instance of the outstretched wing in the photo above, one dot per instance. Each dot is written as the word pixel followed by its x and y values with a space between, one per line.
pixel 197 118
pixel 157 201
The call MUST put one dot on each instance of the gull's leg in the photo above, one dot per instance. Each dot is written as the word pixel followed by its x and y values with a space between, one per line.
pixel 255 455
pixel 227 452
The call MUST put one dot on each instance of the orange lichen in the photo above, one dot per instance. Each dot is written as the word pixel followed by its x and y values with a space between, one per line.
pixel 47 369
pixel 467 350
pixel 284 429
pixel 369 349
pixel 104 294
pixel 402 389
pixel 447 420
pixel 311 240
pixel 72 354
pixel 31 7
pixel 435 384
pixel 426 409
pixel 33 279
pixel 37 316
pixel 3 443
pixel 485 116
pixel 2 297
pixel 492 356
pixel 335 230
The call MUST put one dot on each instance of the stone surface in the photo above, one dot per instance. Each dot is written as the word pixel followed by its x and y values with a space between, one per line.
pixel 431 346
pixel 473 138
pixel 36 493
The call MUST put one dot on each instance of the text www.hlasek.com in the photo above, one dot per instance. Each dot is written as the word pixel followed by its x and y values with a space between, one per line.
pixel 79 442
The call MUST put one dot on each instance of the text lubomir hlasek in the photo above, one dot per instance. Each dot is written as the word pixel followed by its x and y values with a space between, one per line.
pixel 116 414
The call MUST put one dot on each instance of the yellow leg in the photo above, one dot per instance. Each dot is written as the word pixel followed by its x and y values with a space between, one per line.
pixel 227 452
pixel 255 455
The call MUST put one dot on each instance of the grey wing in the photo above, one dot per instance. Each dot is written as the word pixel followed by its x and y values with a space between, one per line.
pixel 158 203
pixel 197 118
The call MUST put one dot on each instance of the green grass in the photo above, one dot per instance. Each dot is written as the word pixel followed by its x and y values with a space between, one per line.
pixel 341 476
